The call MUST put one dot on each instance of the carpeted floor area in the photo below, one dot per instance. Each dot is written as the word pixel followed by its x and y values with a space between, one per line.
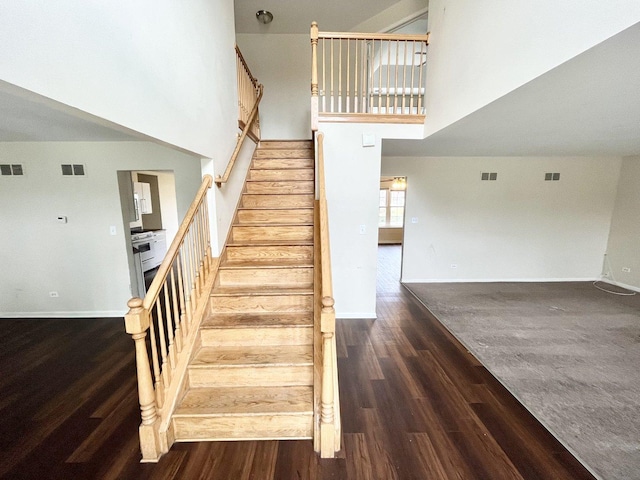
pixel 569 352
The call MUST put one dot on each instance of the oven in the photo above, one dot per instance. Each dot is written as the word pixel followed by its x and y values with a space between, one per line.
pixel 142 244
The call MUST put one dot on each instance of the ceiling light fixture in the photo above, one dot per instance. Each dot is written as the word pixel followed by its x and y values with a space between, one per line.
pixel 399 183
pixel 264 16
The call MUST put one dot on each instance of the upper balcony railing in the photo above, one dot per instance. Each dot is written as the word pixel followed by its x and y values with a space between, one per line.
pixel 249 96
pixel 367 77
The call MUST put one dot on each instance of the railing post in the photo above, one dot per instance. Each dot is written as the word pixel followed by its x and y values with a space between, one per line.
pixel 314 76
pixel 327 408
pixel 136 324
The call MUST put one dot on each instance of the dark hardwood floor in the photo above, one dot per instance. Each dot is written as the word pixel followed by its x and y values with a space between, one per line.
pixel 415 405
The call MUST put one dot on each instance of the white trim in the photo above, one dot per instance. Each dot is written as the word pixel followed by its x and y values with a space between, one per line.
pixel 82 314
pixel 495 280
pixel 356 315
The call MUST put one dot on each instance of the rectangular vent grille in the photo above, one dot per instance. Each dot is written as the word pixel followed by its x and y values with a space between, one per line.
pixel 11 169
pixel 489 176
pixel 551 177
pixel 72 169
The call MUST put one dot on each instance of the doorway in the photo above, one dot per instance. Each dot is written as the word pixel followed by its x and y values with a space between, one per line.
pixel 149 209
pixel 391 220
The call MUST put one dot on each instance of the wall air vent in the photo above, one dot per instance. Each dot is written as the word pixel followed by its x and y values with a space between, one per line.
pixel 549 177
pixel 11 169
pixel 72 169
pixel 489 176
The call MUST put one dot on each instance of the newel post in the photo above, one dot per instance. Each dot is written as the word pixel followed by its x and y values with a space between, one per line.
pixel 327 408
pixel 136 324
pixel 314 76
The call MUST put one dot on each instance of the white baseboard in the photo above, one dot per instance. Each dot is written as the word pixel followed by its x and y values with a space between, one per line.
pixel 86 314
pixel 495 280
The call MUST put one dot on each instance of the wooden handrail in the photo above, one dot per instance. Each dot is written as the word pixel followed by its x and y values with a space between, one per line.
pixel 169 259
pixel 375 36
pixel 327 287
pixel 240 57
pixel 234 156
pixel 249 96
pixel 169 315
pixel 329 430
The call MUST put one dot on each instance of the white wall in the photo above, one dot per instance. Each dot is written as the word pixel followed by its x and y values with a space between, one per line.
pixel 165 69
pixel 226 197
pixel 479 51
pixel 622 249
pixel 353 185
pixel 516 228
pixel 80 260
pixel 282 63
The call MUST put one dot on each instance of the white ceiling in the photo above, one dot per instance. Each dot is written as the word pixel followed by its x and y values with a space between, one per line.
pixel 589 106
pixel 295 16
pixel 26 117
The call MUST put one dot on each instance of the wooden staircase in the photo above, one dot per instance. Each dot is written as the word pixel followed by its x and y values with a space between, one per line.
pixel 251 374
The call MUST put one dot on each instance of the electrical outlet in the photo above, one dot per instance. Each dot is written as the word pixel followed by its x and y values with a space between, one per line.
pixel 53 294
pixel 626 269
pixel 414 219
pixel 363 229
pixel 454 265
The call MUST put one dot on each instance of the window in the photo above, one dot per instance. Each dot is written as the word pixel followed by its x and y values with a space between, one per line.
pixel 391 208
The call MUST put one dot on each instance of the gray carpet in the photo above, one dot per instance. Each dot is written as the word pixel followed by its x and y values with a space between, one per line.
pixel 569 352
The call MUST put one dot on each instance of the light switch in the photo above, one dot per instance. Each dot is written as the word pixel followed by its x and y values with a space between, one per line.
pixel 368 139
pixel 414 219
pixel 363 229
pixel 112 229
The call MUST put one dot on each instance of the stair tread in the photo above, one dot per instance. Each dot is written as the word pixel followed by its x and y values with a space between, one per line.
pixel 268 243
pixel 236 356
pixel 261 225
pixel 253 320
pixel 276 208
pixel 229 401
pixel 288 194
pixel 251 290
pixel 266 263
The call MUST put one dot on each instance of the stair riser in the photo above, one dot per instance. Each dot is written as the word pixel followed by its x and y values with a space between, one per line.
pixel 280 175
pixel 293 216
pixel 282 163
pixel 250 427
pixel 261 303
pixel 277 200
pixel 266 276
pixel 282 144
pixel 241 234
pixel 251 376
pixel 280 187
pixel 301 253
pixel 235 337
pixel 284 153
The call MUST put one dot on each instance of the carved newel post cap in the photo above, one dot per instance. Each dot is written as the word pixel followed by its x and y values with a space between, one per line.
pixel 327 302
pixel 314 24
pixel 135 321
pixel 135 302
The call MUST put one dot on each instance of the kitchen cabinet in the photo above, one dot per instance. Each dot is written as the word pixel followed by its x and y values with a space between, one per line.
pixel 142 197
